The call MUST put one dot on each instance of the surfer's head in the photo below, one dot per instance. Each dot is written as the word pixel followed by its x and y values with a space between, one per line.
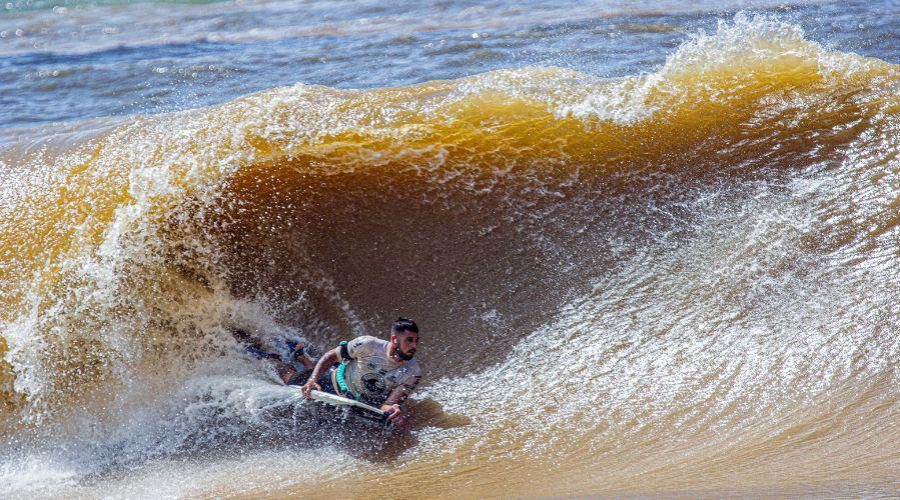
pixel 404 338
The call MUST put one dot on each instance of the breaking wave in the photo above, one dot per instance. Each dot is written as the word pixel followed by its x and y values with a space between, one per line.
pixel 675 280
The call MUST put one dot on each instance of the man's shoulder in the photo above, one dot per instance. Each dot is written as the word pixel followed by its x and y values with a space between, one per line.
pixel 370 339
pixel 367 342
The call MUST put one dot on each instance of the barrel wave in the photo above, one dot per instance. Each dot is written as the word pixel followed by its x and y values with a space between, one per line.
pixel 680 281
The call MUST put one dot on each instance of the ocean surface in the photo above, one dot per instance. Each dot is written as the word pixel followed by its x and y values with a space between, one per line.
pixel 653 246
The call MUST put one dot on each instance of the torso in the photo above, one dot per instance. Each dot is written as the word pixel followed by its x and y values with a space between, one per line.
pixel 374 374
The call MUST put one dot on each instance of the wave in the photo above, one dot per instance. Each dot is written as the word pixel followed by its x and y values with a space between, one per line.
pixel 706 248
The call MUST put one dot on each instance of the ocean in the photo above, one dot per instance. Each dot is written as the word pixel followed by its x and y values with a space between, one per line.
pixel 652 247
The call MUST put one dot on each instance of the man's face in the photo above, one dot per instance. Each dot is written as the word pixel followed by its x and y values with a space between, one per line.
pixel 406 343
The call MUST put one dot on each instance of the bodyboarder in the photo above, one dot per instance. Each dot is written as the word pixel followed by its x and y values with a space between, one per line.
pixel 377 372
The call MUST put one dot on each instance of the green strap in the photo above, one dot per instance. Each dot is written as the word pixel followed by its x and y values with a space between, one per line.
pixel 342 382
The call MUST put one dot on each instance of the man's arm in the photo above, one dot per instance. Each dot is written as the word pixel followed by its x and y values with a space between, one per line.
pixel 396 398
pixel 325 362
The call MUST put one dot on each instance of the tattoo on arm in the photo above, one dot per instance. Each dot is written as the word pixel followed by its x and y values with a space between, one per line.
pixel 399 395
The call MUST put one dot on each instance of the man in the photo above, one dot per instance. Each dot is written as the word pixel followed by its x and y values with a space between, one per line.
pixel 378 372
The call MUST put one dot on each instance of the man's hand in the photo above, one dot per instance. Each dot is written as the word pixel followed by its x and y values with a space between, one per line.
pixel 394 414
pixel 310 386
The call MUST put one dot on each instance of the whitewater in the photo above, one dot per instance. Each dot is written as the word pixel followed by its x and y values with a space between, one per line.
pixel 653 249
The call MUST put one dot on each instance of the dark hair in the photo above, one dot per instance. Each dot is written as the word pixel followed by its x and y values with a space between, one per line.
pixel 405 325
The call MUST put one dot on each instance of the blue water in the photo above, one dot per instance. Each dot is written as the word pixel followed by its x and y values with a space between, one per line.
pixel 100 60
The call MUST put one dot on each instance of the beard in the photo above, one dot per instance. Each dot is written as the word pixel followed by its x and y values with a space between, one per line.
pixel 405 356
